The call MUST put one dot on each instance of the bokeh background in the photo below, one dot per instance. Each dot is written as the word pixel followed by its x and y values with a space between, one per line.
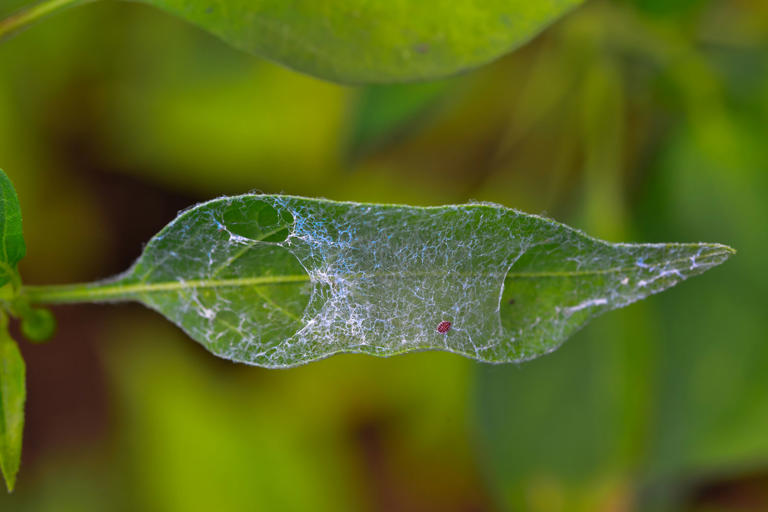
pixel 635 120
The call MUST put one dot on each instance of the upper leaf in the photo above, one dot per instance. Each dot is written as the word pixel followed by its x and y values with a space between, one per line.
pixel 278 281
pixel 12 247
pixel 12 396
pixel 358 41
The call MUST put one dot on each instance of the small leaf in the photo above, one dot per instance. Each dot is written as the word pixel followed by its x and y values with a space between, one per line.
pixel 12 247
pixel 278 281
pixel 12 396
pixel 37 324
pixel 372 42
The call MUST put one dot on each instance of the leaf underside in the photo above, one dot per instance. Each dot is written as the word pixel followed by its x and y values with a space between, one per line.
pixel 12 397
pixel 278 281
pixel 380 41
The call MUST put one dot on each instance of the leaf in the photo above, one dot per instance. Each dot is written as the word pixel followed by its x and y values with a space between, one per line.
pixel 372 42
pixel 695 415
pixel 37 324
pixel 578 425
pixel 278 281
pixel 387 112
pixel 12 396
pixel 12 247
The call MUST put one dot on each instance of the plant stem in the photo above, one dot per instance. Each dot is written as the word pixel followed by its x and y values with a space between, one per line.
pixel 70 293
pixel 26 16
pixel 117 291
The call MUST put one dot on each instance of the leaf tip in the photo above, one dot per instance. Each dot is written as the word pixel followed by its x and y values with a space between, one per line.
pixel 10 480
pixel 713 254
pixel 9 469
pixel 722 250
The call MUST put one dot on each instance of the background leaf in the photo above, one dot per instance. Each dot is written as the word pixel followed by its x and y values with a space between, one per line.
pixel 384 113
pixel 278 281
pixel 372 42
pixel 663 406
pixel 12 397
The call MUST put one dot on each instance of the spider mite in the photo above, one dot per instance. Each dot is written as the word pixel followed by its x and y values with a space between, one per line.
pixel 443 327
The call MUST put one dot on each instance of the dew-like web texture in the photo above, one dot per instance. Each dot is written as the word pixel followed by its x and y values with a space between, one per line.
pixel 278 281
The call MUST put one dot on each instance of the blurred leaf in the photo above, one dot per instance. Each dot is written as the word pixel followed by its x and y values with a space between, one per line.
pixel 350 433
pixel 239 441
pixel 279 281
pixel 560 430
pixel 603 132
pixel 557 433
pixel 81 479
pixel 246 118
pixel 12 396
pixel 713 413
pixel 37 324
pixel 12 246
pixel 373 42
pixel 668 8
pixel 386 112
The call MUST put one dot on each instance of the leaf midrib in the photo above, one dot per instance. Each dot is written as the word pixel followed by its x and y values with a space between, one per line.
pixel 116 291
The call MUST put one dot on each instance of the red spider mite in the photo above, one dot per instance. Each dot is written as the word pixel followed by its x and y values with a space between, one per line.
pixel 444 327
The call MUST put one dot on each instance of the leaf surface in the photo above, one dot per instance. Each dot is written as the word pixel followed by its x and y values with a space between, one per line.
pixel 12 247
pixel 357 41
pixel 278 281
pixel 12 396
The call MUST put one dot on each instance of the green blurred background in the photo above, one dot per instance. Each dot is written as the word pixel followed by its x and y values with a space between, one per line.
pixel 635 120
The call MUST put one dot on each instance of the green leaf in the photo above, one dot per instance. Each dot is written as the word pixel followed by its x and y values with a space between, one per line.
pixel 278 281
pixel 37 324
pixel 387 112
pixel 12 248
pixel 12 396
pixel 372 42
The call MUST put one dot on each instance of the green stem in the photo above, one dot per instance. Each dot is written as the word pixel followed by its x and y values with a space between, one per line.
pixel 117 291
pixel 23 18
pixel 66 293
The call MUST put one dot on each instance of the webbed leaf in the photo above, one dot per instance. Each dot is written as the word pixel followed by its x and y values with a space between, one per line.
pixel 357 41
pixel 278 281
